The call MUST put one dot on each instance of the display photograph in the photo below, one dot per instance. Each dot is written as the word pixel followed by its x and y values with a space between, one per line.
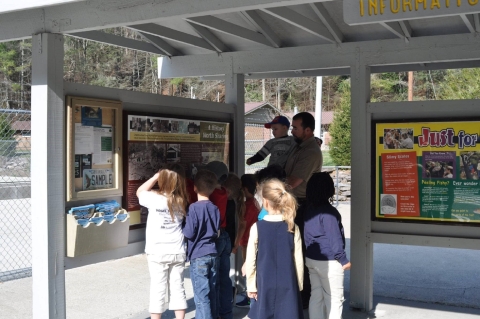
pixel 154 141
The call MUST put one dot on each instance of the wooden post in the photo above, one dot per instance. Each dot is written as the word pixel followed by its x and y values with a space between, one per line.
pixel 410 85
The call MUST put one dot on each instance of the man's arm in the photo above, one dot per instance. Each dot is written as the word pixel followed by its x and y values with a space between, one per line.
pixel 294 181
pixel 303 169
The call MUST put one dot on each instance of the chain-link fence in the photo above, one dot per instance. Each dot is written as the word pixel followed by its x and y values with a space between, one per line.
pixel 256 135
pixel 15 226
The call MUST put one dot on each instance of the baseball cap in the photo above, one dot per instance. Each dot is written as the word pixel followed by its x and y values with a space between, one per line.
pixel 278 120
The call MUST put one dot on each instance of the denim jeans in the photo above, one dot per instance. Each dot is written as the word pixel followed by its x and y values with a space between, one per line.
pixel 203 273
pixel 224 284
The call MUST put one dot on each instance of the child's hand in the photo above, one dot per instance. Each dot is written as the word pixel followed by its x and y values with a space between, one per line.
pixel 249 162
pixel 347 266
pixel 234 249
pixel 252 295
pixel 244 269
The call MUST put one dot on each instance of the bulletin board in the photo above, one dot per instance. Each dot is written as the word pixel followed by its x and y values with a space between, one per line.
pixel 152 140
pixel 94 142
pixel 428 172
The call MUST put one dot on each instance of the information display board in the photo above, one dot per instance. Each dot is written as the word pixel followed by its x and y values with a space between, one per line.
pixel 427 171
pixel 93 148
pixel 152 141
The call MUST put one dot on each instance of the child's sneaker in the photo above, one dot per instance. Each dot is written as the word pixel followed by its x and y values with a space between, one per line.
pixel 245 303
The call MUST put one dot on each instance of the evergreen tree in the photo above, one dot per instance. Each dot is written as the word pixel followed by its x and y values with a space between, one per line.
pixel 340 129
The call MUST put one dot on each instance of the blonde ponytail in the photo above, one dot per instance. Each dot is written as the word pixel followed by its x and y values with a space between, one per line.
pixel 281 200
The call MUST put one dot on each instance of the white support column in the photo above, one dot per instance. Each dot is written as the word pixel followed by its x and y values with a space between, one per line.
pixel 235 94
pixel 361 278
pixel 48 177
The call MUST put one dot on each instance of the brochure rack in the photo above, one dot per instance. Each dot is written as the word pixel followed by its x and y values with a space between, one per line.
pixel 94 238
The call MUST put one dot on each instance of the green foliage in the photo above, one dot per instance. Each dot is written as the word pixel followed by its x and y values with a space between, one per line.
pixel 460 84
pixel 340 150
pixel 8 55
pixel 327 159
pixel 6 131
pixel 177 81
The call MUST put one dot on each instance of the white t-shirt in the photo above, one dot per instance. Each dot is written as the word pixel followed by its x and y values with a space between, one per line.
pixel 163 235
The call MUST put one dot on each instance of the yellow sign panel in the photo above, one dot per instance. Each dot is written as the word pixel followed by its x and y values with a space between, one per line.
pixel 370 11
pixel 428 171
pixel 163 137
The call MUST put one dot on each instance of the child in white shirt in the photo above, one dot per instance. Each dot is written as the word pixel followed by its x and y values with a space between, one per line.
pixel 165 243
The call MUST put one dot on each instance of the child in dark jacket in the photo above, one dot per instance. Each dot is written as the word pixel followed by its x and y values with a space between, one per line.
pixel 201 230
pixel 325 255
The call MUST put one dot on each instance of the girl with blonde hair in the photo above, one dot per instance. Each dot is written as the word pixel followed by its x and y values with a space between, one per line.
pixel 165 244
pixel 274 262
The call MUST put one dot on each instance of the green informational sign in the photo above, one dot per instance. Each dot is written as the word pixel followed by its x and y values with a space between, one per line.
pixel 107 143
pixel 213 132
pixel 428 171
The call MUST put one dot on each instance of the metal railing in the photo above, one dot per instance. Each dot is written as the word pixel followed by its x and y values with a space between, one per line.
pixel 336 181
pixel 15 228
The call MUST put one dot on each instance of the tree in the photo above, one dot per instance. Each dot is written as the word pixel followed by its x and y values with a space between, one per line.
pixel 6 131
pixel 460 84
pixel 340 130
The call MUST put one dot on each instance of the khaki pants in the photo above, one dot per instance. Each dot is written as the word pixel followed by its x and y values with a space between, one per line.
pixel 166 282
pixel 327 299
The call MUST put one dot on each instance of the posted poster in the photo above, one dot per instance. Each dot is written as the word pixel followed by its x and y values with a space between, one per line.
pixel 97 179
pixel 428 171
pixel 155 141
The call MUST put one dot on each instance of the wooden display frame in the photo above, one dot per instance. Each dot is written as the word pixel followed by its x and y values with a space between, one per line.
pixel 110 116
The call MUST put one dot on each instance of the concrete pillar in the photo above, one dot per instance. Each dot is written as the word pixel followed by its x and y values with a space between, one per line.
pixel 235 94
pixel 48 177
pixel 361 277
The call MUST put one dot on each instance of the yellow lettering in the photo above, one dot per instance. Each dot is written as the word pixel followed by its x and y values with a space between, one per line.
pixel 372 6
pixel 394 8
pixel 473 2
pixel 362 9
pixel 459 3
pixel 409 4
pixel 447 3
pixel 435 3
pixel 420 1
pixel 382 6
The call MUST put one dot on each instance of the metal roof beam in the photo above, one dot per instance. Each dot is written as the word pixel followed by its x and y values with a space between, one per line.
pixel 469 21
pixel 286 74
pixel 160 44
pixel 476 20
pixel 327 20
pixel 99 36
pixel 433 49
pixel 174 35
pixel 425 66
pixel 254 18
pixel 100 14
pixel 395 28
pixel 300 21
pixel 407 29
pixel 220 25
pixel 210 38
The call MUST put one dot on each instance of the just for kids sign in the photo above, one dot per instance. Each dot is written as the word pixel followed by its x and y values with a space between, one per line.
pixel 428 171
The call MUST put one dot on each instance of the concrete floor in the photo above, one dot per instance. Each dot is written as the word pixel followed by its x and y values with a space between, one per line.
pixel 439 280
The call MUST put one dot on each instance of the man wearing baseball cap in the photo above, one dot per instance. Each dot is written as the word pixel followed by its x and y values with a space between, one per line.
pixel 279 147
